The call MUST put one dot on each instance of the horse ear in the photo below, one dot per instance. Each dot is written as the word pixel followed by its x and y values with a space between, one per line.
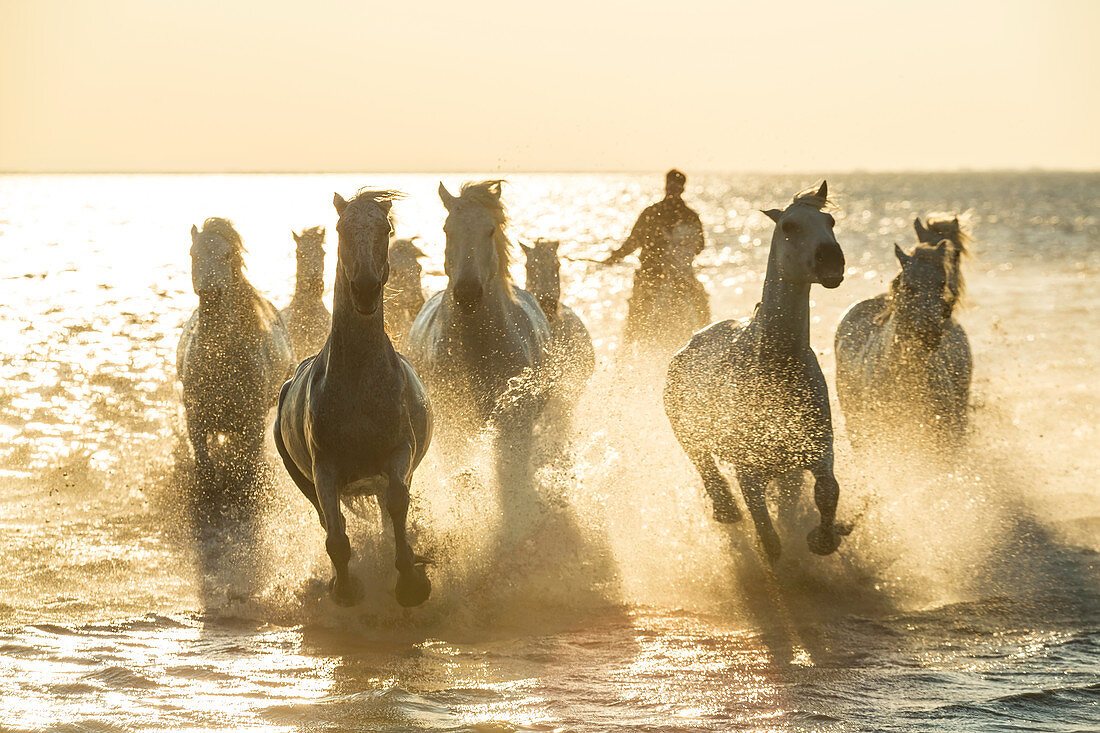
pixel 900 254
pixel 297 238
pixel 773 214
pixel 194 232
pixel 823 192
pixel 386 205
pixel 554 246
pixel 526 250
pixel 494 189
pixel 446 197
pixel 321 232
pixel 922 231
pixel 339 202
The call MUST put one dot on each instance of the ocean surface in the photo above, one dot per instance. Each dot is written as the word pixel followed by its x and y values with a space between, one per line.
pixel 967 598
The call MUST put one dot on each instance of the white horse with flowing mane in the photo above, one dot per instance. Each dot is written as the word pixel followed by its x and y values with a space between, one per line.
pixel 481 343
pixel 903 363
pixel 751 393
pixel 355 420
pixel 233 355
pixel 306 317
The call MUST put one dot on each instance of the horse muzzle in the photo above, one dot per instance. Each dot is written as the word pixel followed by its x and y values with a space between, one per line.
pixel 829 264
pixel 367 297
pixel 468 292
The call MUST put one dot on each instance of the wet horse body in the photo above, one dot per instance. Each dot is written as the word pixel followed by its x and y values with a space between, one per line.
pixel 571 355
pixel 482 338
pixel 307 318
pixel 355 420
pixel 751 393
pixel 904 363
pixel 233 355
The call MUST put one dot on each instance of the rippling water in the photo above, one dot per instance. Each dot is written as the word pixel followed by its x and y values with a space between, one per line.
pixel 966 599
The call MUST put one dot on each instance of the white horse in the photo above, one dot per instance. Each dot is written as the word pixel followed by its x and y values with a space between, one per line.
pixel 307 318
pixel 233 355
pixel 752 394
pixel 355 420
pixel 903 363
pixel 572 357
pixel 481 344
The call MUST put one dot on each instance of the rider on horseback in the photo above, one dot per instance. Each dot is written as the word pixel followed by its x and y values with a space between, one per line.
pixel 668 235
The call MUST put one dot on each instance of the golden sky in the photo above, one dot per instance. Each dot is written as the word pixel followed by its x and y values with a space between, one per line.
pixel 446 85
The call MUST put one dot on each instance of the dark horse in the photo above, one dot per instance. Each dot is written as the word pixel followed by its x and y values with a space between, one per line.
pixel 355 419
pixel 752 394
pixel 233 355
pixel 903 363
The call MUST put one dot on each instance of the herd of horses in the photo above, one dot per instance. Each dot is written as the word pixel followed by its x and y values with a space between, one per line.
pixel 356 416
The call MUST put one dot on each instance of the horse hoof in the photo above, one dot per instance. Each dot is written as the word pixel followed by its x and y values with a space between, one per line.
pixel 727 513
pixel 823 542
pixel 347 593
pixel 413 587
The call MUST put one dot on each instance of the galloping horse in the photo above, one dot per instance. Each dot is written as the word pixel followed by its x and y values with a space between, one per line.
pixel 404 294
pixel 481 343
pixel 571 356
pixel 903 363
pixel 751 393
pixel 307 318
pixel 234 354
pixel 355 420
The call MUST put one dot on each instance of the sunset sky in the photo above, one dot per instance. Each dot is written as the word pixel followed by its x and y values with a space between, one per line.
pixel 328 85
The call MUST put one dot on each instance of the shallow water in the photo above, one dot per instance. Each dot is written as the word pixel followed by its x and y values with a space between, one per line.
pixel 967 598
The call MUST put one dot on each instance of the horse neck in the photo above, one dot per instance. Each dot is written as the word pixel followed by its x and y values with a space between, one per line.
pixel 783 319
pixel 231 324
pixel 356 341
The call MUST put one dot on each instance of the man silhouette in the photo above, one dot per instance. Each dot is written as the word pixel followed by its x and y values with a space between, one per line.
pixel 667 236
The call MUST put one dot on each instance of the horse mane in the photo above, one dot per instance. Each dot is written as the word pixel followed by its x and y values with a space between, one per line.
pixel 224 229
pixel 378 197
pixel 809 197
pixel 487 195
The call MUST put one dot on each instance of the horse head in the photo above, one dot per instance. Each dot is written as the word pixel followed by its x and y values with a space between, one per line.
pixel 477 250
pixel 921 298
pixel 405 268
pixel 804 243
pixel 364 231
pixel 544 273
pixel 310 250
pixel 217 259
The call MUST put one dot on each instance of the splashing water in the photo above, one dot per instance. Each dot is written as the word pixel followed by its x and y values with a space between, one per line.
pixel 966 598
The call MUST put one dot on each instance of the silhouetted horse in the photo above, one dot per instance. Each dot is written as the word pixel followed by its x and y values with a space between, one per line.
pixel 571 356
pixel 307 318
pixel 751 393
pixel 903 363
pixel 404 294
pixel 355 420
pixel 234 354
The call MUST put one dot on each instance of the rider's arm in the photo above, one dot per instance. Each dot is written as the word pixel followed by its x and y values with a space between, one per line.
pixel 633 242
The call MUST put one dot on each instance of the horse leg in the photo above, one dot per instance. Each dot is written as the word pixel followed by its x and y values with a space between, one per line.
pixel 825 538
pixel 205 473
pixel 304 484
pixel 753 483
pixel 718 488
pixel 413 586
pixel 344 588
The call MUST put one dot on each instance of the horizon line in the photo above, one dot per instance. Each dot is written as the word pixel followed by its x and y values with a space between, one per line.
pixel 549 171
